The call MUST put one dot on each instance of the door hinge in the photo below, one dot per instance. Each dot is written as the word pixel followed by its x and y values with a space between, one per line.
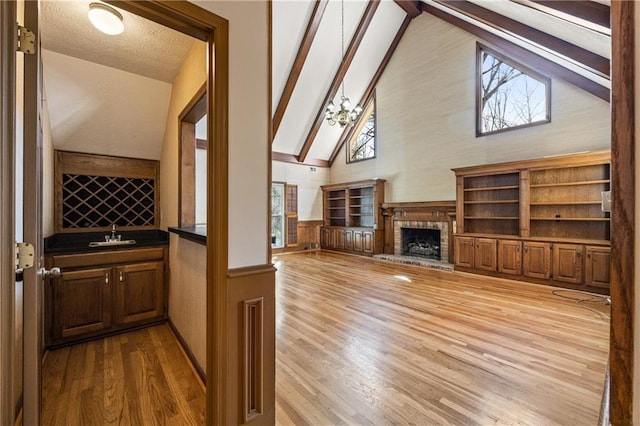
pixel 26 41
pixel 25 254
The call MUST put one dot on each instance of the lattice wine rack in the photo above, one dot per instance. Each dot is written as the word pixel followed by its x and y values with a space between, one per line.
pixel 93 192
pixel 100 201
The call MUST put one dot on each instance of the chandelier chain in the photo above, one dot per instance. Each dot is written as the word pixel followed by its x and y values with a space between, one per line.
pixel 342 44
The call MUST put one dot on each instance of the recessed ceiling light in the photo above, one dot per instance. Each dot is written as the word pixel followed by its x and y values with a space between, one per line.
pixel 105 18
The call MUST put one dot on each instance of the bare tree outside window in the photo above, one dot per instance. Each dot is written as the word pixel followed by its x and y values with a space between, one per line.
pixel 363 145
pixel 509 94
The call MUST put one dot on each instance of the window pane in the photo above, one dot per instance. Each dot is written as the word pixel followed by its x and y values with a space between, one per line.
pixel 510 95
pixel 364 145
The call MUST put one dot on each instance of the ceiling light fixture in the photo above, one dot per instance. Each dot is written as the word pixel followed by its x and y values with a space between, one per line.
pixel 105 18
pixel 344 116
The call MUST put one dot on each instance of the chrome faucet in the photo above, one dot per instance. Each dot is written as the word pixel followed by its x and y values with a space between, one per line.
pixel 113 236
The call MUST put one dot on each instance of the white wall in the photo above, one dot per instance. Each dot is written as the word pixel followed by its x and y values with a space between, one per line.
pixel 309 192
pixel 102 110
pixel 249 184
pixel 426 119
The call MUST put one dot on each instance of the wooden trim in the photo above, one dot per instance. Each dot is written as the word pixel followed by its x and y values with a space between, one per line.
pixel 289 158
pixel 535 61
pixel 358 35
pixel 196 108
pixel 271 130
pixel 248 271
pixel 500 22
pixel 298 63
pixel 253 352
pixel 590 11
pixel 623 212
pixel 411 7
pixel 446 205
pixel 347 133
pixel 7 190
pixel 202 144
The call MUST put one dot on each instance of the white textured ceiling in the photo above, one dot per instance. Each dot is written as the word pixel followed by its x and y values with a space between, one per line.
pixel 144 48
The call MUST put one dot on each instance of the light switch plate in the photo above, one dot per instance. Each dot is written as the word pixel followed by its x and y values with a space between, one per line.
pixel 606 201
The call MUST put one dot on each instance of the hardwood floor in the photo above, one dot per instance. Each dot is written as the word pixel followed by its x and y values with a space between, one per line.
pixel 138 378
pixel 362 341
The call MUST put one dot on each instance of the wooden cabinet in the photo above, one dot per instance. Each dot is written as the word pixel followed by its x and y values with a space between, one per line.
pixel 104 292
pixel 536 260
pixel 510 257
pixel 464 252
pixel 545 215
pixel 83 302
pixel 485 257
pixel 568 263
pixel 140 292
pixel 352 217
pixel 597 271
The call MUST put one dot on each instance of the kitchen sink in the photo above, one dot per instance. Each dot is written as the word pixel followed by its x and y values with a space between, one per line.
pixel 111 243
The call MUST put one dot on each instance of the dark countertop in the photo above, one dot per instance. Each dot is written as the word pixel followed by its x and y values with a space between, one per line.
pixel 197 234
pixel 79 242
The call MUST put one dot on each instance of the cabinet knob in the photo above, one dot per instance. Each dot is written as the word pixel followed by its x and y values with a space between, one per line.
pixel 106 278
pixel 121 277
pixel 526 249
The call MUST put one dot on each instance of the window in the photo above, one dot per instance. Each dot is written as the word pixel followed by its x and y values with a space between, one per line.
pixel 362 145
pixel 509 95
pixel 193 161
pixel 277 215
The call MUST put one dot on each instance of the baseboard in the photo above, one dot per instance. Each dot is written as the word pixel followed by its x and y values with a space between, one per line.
pixel 187 351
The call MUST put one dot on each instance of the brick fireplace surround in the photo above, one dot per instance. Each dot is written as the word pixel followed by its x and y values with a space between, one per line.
pixel 428 214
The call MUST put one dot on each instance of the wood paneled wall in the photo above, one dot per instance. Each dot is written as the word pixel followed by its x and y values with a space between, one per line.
pixel 308 237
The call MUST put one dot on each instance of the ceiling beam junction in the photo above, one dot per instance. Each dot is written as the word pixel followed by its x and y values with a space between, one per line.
pixel 298 63
pixel 412 7
pixel 366 19
pixel 580 56
pixel 348 132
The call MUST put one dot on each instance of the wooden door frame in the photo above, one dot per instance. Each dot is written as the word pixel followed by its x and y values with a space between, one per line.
pixel 7 214
pixel 192 20
pixel 623 304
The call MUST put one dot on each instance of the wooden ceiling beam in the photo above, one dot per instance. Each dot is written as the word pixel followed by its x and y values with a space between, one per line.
pixel 298 63
pixel 350 53
pixel 412 7
pixel 290 158
pixel 591 11
pixel 537 62
pixel 590 60
pixel 347 133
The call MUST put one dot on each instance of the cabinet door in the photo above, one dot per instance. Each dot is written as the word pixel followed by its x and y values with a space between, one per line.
pixel 536 260
pixel 568 263
pixel 140 292
pixel 348 240
pixel 81 302
pixel 598 269
pixel 324 238
pixel 510 257
pixel 486 254
pixel 357 241
pixel 463 248
pixel 367 241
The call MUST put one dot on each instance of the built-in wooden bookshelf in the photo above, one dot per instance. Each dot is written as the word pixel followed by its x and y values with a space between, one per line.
pixel 352 217
pixel 554 201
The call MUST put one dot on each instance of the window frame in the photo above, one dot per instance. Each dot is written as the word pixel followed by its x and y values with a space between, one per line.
pixel 370 108
pixel 530 72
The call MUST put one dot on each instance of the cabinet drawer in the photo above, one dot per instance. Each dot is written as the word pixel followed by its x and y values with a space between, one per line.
pixel 107 257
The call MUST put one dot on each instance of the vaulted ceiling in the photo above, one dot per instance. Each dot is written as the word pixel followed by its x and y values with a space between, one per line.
pixel 568 40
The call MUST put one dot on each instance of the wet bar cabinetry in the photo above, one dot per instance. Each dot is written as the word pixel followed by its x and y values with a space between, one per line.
pixel 352 217
pixel 544 217
pixel 104 292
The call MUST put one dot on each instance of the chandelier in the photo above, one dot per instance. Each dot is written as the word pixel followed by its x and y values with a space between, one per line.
pixel 345 115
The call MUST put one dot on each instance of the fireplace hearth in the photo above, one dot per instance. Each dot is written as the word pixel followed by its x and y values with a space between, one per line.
pixel 421 242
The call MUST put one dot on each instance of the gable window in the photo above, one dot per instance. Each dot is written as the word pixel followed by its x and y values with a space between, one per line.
pixel 509 95
pixel 362 144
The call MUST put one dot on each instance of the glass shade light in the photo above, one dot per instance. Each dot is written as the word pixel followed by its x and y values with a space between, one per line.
pixel 105 18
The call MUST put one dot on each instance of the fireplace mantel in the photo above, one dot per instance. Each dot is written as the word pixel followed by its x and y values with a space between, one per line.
pixel 399 214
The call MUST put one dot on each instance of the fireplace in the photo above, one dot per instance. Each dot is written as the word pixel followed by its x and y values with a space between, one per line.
pixel 421 242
